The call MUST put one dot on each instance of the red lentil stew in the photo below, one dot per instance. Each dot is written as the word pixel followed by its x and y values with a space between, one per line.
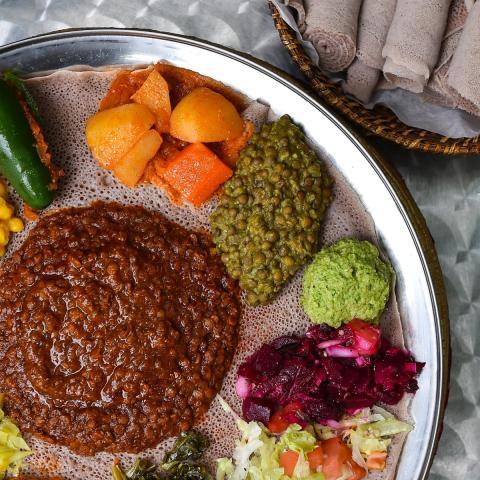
pixel 117 328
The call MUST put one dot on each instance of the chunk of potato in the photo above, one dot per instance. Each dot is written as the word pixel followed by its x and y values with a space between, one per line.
pixel 112 133
pixel 131 166
pixel 155 95
pixel 205 116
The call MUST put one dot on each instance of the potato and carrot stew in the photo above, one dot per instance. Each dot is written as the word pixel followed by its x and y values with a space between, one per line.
pixel 170 127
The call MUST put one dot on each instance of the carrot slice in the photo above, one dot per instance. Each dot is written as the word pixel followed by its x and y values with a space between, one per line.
pixel 195 173
pixel 376 460
pixel 288 460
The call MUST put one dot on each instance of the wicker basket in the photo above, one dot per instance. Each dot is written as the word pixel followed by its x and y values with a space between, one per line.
pixel 379 121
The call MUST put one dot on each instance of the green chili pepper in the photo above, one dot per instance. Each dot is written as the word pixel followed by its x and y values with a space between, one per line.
pixel 20 162
pixel 19 85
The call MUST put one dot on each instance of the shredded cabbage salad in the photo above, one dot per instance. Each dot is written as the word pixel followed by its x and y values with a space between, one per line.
pixel 13 448
pixel 257 455
pixel 372 433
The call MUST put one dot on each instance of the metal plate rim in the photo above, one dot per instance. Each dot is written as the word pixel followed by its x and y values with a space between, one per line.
pixel 390 178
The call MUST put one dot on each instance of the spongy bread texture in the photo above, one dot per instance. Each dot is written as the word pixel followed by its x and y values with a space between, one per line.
pixel 66 99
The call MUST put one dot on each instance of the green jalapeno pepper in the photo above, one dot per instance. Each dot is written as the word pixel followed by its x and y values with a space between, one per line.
pixel 20 162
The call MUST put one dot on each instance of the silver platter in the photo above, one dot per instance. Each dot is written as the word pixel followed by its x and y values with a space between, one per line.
pixel 400 225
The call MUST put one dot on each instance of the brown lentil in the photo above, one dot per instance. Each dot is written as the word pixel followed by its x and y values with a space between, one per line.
pixel 141 327
pixel 267 221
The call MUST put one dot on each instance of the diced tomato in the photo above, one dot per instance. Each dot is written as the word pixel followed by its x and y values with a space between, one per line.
pixel 277 423
pixel 335 455
pixel 356 324
pixel 288 460
pixel 367 337
pixel 357 471
pixel 315 458
pixel 283 417
pixel 377 460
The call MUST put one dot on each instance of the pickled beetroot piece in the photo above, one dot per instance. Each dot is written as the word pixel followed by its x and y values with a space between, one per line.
pixel 257 409
pixel 327 372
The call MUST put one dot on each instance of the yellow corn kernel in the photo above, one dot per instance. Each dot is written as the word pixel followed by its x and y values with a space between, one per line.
pixel 3 190
pixel 2 250
pixel 15 225
pixel 6 212
pixel 4 234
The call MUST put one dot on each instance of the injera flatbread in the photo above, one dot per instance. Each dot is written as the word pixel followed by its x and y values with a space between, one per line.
pixel 66 99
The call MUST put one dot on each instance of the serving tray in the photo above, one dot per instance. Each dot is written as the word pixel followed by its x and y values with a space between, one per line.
pixel 400 226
